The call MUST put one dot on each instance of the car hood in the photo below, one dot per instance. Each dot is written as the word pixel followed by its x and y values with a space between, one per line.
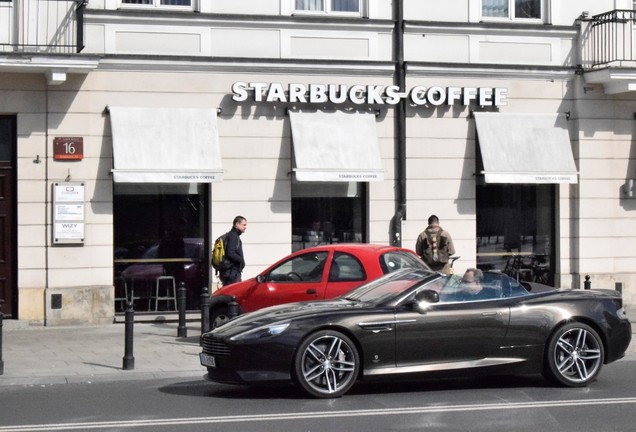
pixel 238 289
pixel 281 313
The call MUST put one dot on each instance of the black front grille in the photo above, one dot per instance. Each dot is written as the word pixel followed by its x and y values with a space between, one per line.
pixel 216 347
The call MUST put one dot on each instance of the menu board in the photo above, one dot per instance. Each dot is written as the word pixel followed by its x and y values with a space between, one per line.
pixel 68 212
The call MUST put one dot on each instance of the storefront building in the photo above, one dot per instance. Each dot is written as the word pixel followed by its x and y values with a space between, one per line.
pixel 135 131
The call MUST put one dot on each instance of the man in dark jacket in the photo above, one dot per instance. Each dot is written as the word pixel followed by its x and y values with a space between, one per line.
pixel 234 261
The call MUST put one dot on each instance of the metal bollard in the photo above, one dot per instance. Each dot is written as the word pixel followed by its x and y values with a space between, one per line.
pixel 205 310
pixel 1 324
pixel 129 358
pixel 587 284
pixel 618 286
pixel 182 330
pixel 232 308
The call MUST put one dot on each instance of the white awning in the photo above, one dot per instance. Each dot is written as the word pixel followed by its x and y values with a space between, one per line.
pixel 165 145
pixel 525 148
pixel 336 146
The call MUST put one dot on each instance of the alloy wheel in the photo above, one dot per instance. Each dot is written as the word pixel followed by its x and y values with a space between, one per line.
pixel 327 364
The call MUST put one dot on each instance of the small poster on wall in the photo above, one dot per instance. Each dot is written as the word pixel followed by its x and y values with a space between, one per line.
pixel 68 213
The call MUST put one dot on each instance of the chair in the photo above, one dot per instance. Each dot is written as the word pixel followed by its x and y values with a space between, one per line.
pixel 165 290
pixel 121 293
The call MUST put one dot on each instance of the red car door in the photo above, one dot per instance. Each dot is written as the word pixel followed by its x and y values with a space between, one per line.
pixel 300 278
pixel 346 272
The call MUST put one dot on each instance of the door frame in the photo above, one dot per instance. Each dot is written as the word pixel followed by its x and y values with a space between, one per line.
pixel 9 246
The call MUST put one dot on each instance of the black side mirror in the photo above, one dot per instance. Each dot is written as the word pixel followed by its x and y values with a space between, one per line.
pixel 424 298
pixel 260 278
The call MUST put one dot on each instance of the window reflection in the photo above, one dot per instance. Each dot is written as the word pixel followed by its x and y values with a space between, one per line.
pixel 303 268
pixel 515 228
pixel 326 213
pixel 159 230
pixel 522 9
pixel 327 7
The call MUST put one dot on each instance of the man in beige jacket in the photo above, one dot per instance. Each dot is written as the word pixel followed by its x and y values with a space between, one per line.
pixel 435 246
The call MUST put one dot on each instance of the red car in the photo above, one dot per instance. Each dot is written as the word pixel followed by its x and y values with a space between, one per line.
pixel 321 272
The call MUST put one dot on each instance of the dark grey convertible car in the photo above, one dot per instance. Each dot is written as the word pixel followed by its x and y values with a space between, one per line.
pixel 416 321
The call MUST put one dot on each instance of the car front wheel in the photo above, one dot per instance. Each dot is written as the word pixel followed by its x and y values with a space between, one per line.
pixel 326 364
pixel 575 355
pixel 218 317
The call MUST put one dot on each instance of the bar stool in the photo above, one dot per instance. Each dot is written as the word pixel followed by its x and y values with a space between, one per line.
pixel 139 289
pixel 165 290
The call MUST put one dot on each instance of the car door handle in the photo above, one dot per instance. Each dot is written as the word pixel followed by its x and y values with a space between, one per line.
pixel 490 313
pixel 311 291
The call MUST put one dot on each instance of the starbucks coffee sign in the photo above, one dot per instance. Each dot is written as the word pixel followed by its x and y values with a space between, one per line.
pixel 367 94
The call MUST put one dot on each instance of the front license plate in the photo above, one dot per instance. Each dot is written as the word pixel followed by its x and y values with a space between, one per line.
pixel 207 360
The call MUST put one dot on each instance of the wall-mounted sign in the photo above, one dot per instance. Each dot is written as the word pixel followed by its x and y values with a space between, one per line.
pixel 368 94
pixel 68 212
pixel 68 148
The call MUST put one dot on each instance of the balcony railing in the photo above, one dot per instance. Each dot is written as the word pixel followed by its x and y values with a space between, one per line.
pixel 42 26
pixel 608 39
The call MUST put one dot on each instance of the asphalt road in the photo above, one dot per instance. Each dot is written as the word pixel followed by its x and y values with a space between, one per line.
pixel 489 404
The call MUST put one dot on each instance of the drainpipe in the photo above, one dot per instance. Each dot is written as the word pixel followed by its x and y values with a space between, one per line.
pixel 399 80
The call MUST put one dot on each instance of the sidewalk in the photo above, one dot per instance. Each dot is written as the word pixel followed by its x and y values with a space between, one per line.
pixel 37 355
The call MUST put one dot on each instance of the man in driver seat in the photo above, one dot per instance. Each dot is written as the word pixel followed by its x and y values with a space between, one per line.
pixel 471 281
pixel 471 287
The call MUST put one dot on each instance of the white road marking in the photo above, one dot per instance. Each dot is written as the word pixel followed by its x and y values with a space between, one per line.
pixel 315 415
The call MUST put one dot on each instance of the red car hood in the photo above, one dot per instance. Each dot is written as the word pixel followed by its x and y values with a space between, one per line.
pixel 238 289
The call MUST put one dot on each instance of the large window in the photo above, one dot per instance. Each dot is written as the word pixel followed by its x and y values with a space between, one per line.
pixel 328 6
pixel 512 9
pixel 326 212
pixel 160 230
pixel 515 230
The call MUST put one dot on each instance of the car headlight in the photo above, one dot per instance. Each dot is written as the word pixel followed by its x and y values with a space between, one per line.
pixel 261 332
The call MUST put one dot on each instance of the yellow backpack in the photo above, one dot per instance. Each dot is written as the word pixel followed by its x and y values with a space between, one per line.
pixel 218 252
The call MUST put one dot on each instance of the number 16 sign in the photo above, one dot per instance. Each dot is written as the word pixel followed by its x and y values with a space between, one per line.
pixel 68 148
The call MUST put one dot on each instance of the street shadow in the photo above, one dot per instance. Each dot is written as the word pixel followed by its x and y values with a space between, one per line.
pixel 450 384
pixel 103 365
pixel 225 391
pixel 203 388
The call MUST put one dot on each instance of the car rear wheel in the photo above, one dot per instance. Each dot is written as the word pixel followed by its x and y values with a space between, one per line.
pixel 218 317
pixel 326 364
pixel 575 355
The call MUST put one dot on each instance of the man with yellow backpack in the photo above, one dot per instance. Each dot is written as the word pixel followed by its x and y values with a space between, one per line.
pixel 227 253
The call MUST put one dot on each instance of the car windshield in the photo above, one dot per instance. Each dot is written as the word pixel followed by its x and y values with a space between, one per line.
pixel 476 285
pixel 452 288
pixel 388 286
